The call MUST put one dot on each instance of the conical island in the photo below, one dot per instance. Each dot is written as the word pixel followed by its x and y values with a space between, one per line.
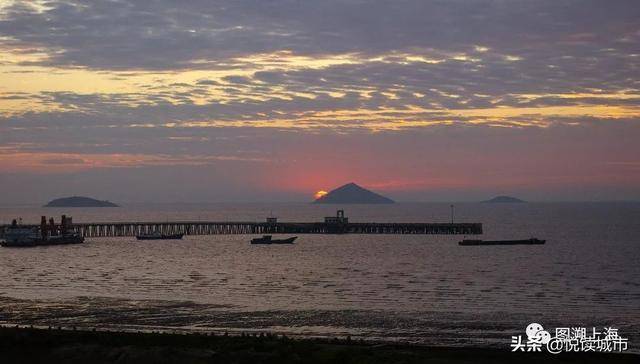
pixel 351 193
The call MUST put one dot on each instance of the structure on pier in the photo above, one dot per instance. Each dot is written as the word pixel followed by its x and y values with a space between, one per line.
pixel 331 225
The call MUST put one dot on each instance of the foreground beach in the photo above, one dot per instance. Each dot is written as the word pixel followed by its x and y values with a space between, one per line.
pixel 30 345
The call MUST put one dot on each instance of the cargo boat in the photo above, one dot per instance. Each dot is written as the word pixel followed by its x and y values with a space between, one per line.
pixel 159 236
pixel 266 239
pixel 532 241
pixel 18 235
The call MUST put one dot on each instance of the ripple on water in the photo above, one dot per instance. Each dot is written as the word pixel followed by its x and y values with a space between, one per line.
pixel 574 275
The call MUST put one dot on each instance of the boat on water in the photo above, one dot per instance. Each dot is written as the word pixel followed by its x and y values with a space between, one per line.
pixel 267 239
pixel 532 241
pixel 17 235
pixel 159 236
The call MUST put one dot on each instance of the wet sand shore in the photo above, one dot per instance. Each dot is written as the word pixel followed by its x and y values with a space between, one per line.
pixel 31 345
pixel 422 328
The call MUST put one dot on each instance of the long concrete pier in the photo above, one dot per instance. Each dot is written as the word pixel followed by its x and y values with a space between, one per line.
pixel 93 230
pixel 331 225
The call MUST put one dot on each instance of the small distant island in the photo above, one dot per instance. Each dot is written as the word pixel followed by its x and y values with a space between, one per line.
pixel 504 199
pixel 78 201
pixel 351 193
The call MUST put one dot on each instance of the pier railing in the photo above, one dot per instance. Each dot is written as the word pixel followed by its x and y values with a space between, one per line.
pixel 122 229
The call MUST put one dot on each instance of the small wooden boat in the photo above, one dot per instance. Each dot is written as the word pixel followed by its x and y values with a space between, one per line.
pixel 266 239
pixel 532 241
pixel 158 236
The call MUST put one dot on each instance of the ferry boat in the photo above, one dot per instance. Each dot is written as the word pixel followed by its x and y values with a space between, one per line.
pixel 18 235
pixel 532 241
pixel 159 236
pixel 267 239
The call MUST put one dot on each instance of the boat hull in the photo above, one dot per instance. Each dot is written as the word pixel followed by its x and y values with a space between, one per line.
pixel 50 241
pixel 273 241
pixel 502 242
pixel 160 237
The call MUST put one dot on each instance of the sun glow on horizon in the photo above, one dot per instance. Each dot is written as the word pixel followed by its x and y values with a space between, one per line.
pixel 320 194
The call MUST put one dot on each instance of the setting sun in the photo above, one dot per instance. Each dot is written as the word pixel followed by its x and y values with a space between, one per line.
pixel 320 194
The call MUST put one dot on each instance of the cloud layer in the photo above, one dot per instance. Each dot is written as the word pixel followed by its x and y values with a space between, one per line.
pixel 128 84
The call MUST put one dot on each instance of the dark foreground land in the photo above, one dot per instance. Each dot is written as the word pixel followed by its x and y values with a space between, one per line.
pixel 24 345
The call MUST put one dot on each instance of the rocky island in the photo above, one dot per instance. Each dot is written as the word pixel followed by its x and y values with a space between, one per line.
pixel 78 201
pixel 351 193
pixel 504 199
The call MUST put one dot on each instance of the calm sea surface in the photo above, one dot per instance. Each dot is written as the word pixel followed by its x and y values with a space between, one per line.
pixel 414 288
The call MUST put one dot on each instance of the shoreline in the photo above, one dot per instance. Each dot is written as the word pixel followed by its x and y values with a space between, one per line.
pixel 37 345
pixel 434 329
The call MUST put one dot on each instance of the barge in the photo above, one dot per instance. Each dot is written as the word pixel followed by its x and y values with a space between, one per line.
pixel 532 241
pixel 17 235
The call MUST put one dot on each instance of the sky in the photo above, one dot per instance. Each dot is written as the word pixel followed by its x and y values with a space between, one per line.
pixel 274 100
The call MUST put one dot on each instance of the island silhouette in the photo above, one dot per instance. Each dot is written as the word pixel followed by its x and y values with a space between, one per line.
pixel 351 193
pixel 504 199
pixel 79 201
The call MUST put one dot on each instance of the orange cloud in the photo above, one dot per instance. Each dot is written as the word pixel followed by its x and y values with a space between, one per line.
pixel 71 162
